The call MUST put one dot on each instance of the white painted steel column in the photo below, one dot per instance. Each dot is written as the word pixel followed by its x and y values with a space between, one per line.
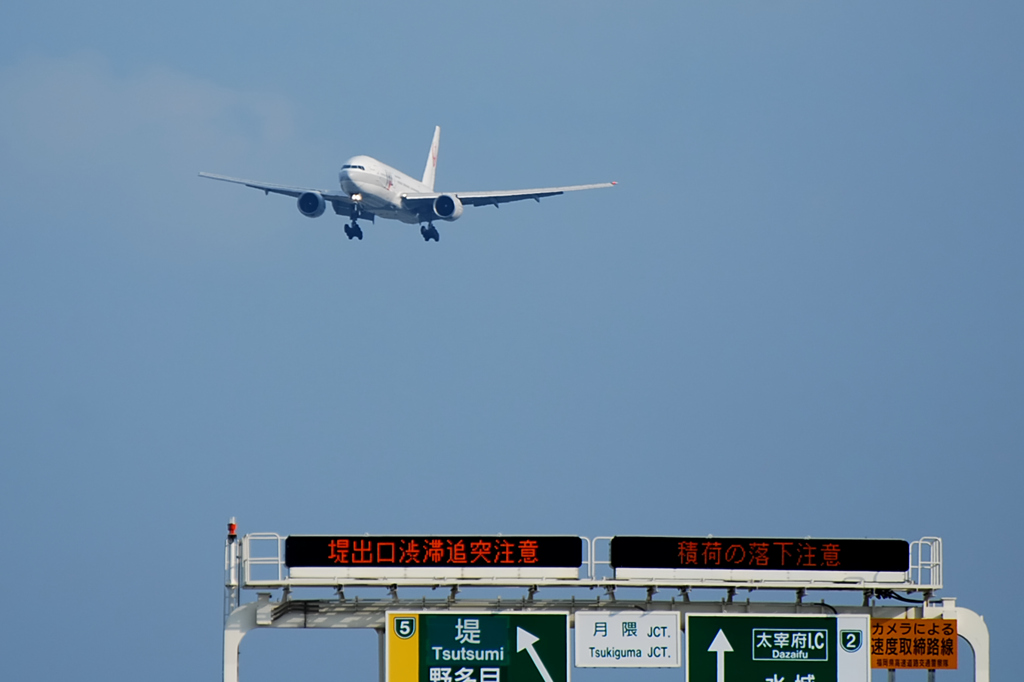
pixel 971 627
pixel 238 624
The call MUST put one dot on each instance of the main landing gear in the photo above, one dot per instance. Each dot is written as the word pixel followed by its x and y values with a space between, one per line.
pixel 353 231
pixel 429 232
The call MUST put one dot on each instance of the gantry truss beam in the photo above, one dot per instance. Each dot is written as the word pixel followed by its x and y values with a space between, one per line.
pixel 346 613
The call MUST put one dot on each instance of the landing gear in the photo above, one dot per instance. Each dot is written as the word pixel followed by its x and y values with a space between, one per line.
pixel 429 232
pixel 353 231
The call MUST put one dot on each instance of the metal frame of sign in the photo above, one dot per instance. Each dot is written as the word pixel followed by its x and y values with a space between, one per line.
pixel 260 562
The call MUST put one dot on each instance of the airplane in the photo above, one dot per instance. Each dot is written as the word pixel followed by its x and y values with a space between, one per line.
pixel 370 188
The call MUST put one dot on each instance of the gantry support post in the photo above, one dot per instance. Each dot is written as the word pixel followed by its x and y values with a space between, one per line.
pixel 969 625
pixel 238 624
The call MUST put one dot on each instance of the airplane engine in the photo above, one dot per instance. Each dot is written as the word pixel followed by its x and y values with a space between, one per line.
pixel 311 204
pixel 447 207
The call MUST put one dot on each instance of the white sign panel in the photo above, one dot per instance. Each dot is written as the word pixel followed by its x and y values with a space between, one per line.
pixel 853 655
pixel 627 639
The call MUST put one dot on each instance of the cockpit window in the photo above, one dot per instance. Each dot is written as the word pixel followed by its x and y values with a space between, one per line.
pixel 352 165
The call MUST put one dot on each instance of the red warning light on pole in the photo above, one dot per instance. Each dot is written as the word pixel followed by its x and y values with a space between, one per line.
pixel 232 528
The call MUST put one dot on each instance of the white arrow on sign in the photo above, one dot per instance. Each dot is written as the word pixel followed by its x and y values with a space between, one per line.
pixel 525 640
pixel 720 645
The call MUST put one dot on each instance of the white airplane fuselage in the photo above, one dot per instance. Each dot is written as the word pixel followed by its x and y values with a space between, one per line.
pixel 379 188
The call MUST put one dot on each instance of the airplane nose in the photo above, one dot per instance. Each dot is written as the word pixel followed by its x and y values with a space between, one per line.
pixel 347 183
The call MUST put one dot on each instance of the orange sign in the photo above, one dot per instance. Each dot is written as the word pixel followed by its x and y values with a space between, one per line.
pixel 928 644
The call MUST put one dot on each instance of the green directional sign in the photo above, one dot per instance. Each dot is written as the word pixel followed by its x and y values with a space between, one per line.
pixel 745 648
pixel 455 646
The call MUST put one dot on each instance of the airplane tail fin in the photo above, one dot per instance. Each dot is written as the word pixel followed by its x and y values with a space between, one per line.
pixel 431 169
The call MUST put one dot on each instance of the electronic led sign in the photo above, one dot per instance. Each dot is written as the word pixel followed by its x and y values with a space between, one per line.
pixel 435 555
pixel 760 558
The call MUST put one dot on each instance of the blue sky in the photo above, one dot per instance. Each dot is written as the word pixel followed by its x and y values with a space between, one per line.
pixel 799 313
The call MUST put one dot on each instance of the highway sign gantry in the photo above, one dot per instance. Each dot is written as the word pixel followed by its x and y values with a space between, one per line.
pixel 270 561
pixel 499 646
pixel 740 648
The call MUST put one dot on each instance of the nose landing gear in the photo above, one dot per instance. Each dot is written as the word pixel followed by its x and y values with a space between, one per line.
pixel 429 232
pixel 354 231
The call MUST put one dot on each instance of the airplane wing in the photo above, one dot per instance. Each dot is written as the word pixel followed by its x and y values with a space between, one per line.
pixel 416 201
pixel 281 189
